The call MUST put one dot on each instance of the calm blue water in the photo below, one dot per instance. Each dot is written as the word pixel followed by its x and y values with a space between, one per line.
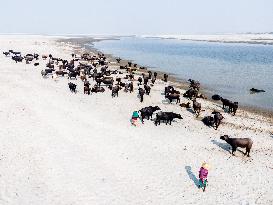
pixel 226 69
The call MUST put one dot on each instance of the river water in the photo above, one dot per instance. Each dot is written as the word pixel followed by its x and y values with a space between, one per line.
pixel 227 69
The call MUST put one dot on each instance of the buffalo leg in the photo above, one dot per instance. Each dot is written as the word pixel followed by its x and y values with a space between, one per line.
pixel 233 150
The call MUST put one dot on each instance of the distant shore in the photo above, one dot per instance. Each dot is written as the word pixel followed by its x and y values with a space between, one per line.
pixel 264 39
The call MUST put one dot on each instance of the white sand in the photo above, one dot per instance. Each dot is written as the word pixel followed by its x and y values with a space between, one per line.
pixel 61 148
pixel 225 38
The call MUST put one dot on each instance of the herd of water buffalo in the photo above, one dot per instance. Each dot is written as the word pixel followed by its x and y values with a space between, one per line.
pixel 96 67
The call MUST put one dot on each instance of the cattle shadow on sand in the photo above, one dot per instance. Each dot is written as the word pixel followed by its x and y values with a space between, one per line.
pixel 191 175
pixel 191 110
pixel 224 146
pixel 165 102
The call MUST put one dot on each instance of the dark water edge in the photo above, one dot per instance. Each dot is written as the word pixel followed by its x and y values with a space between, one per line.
pixel 87 43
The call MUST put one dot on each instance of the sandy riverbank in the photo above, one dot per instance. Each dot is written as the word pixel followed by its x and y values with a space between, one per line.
pixel 62 148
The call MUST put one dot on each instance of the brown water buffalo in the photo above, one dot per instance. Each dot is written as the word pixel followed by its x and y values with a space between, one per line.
pixel 173 96
pixel 186 105
pixel 238 142
pixel 196 107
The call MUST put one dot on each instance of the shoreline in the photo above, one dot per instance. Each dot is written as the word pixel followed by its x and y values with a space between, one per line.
pixel 178 82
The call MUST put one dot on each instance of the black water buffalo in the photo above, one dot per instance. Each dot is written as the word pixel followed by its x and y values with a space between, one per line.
pixel 72 87
pixel 115 91
pixel 167 117
pixel 208 120
pixel 232 106
pixel 196 107
pixel 147 89
pixel 17 58
pixel 218 117
pixel 6 53
pixel 238 142
pixel 148 112
pixel 165 78
pixel 254 90
pixel 194 84
pixel 72 75
pixel 86 88
pixel 97 89
pixel 191 93
pixel 172 97
pixel 141 93
pixel 216 97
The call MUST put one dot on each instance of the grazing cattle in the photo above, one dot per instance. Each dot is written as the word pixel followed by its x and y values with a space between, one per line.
pixel 83 78
pixel 147 89
pixel 155 75
pixel 148 112
pixel 86 89
pixel 115 91
pixel 17 58
pixel 238 142
pixel 150 74
pixel 208 120
pixel 72 87
pixel 131 87
pixel 225 102
pixel 191 93
pixel 194 84
pixel 218 117
pixel 72 75
pixel 108 80
pixel 44 57
pixel 233 106
pixel 172 97
pixel 139 80
pixel 97 89
pixel 196 107
pixel 6 53
pixel 36 64
pixel 165 78
pixel 186 105
pixel 60 72
pixel 168 117
pixel 141 93
pixel 98 81
pixel 168 89
pixel 17 53
pixel 146 80
pixel 49 65
pixel 153 80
